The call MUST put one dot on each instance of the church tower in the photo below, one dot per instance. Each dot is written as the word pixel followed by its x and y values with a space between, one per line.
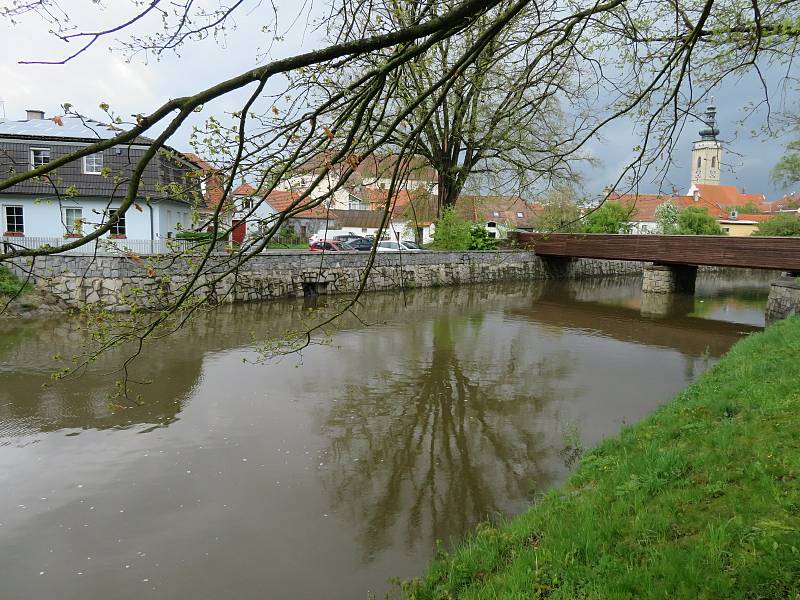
pixel 707 151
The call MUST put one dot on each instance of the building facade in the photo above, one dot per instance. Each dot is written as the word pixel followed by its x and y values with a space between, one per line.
pixel 79 196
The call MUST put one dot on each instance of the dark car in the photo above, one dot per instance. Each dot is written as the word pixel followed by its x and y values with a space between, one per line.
pixel 361 244
pixel 330 246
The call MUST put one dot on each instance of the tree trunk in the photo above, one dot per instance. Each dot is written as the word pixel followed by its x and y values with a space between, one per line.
pixel 449 190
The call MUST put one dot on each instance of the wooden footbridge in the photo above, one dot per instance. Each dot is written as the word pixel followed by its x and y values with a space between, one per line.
pixel 780 254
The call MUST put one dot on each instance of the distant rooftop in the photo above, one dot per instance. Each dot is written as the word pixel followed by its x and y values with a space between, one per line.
pixel 72 128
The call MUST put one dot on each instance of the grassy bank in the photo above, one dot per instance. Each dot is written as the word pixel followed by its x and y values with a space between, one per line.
pixel 10 284
pixel 701 500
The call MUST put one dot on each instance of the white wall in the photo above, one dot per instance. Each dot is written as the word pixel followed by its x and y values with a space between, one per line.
pixel 263 210
pixel 45 218
pixel 644 227
pixel 407 232
pixel 339 200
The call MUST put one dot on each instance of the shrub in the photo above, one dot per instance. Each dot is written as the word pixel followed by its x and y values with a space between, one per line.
pixel 197 236
pixel 667 217
pixel 611 217
pixel 480 240
pixel 10 284
pixel 694 220
pixel 452 232
pixel 782 224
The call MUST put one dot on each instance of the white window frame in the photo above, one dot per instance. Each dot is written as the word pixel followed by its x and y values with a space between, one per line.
pixel 5 218
pixel 94 158
pixel 33 161
pixel 121 224
pixel 520 215
pixel 70 227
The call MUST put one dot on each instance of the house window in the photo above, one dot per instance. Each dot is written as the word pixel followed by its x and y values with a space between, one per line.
pixel 495 214
pixel 14 221
pixel 39 157
pixel 355 203
pixel 520 215
pixel 93 164
pixel 119 228
pixel 698 162
pixel 73 220
pixel 713 161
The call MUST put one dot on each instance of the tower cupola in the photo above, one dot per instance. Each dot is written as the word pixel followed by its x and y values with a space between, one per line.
pixel 707 151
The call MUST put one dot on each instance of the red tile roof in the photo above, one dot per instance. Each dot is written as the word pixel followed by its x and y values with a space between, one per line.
pixel 376 199
pixel 645 205
pixel 728 195
pixel 214 181
pixel 244 189
pixel 375 166
pixel 786 202
pixel 747 217
pixel 281 201
pixel 512 211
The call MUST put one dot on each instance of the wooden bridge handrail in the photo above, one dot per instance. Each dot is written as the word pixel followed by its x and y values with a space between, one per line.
pixel 777 253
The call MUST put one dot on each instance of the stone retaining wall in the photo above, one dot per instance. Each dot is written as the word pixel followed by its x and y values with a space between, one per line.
pixel 119 283
pixel 784 299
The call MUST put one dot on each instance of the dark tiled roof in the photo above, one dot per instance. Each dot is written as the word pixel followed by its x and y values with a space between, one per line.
pixel 67 128
pixel 369 219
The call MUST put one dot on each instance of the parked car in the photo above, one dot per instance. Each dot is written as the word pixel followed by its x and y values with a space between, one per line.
pixel 402 246
pixel 360 244
pixel 339 235
pixel 330 246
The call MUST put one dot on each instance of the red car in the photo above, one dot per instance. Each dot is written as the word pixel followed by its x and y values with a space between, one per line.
pixel 329 246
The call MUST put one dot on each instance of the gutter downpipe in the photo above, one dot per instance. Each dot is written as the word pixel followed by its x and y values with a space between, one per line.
pixel 152 235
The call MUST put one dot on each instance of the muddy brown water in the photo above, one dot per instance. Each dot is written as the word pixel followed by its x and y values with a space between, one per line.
pixel 322 475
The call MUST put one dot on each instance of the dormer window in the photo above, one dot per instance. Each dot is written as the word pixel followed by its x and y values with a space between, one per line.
pixel 93 164
pixel 39 157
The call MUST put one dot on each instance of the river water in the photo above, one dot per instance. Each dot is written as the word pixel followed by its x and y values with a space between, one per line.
pixel 323 474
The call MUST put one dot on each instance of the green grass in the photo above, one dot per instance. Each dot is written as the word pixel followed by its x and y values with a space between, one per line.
pixel 10 284
pixel 294 246
pixel 700 500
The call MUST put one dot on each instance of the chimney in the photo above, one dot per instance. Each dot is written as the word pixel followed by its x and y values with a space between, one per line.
pixel 34 115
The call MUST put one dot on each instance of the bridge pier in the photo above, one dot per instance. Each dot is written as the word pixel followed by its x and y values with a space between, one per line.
pixel 784 299
pixel 666 305
pixel 668 279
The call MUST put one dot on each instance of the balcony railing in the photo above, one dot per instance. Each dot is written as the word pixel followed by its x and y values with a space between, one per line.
pixel 110 247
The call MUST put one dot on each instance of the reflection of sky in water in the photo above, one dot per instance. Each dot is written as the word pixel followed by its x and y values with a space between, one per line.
pixel 320 476
pixel 730 296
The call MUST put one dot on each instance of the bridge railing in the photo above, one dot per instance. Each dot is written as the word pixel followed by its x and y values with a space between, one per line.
pixel 776 253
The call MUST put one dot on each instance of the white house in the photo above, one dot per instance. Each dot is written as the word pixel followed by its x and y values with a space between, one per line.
pixel 78 196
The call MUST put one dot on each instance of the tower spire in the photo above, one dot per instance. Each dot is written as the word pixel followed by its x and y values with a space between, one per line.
pixel 711 131
pixel 707 151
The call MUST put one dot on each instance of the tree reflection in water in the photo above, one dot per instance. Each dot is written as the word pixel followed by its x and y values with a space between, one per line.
pixel 434 445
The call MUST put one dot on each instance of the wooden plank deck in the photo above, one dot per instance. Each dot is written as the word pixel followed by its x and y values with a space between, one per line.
pixel 782 254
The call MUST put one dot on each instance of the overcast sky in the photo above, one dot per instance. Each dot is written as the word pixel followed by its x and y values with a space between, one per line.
pixel 139 86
